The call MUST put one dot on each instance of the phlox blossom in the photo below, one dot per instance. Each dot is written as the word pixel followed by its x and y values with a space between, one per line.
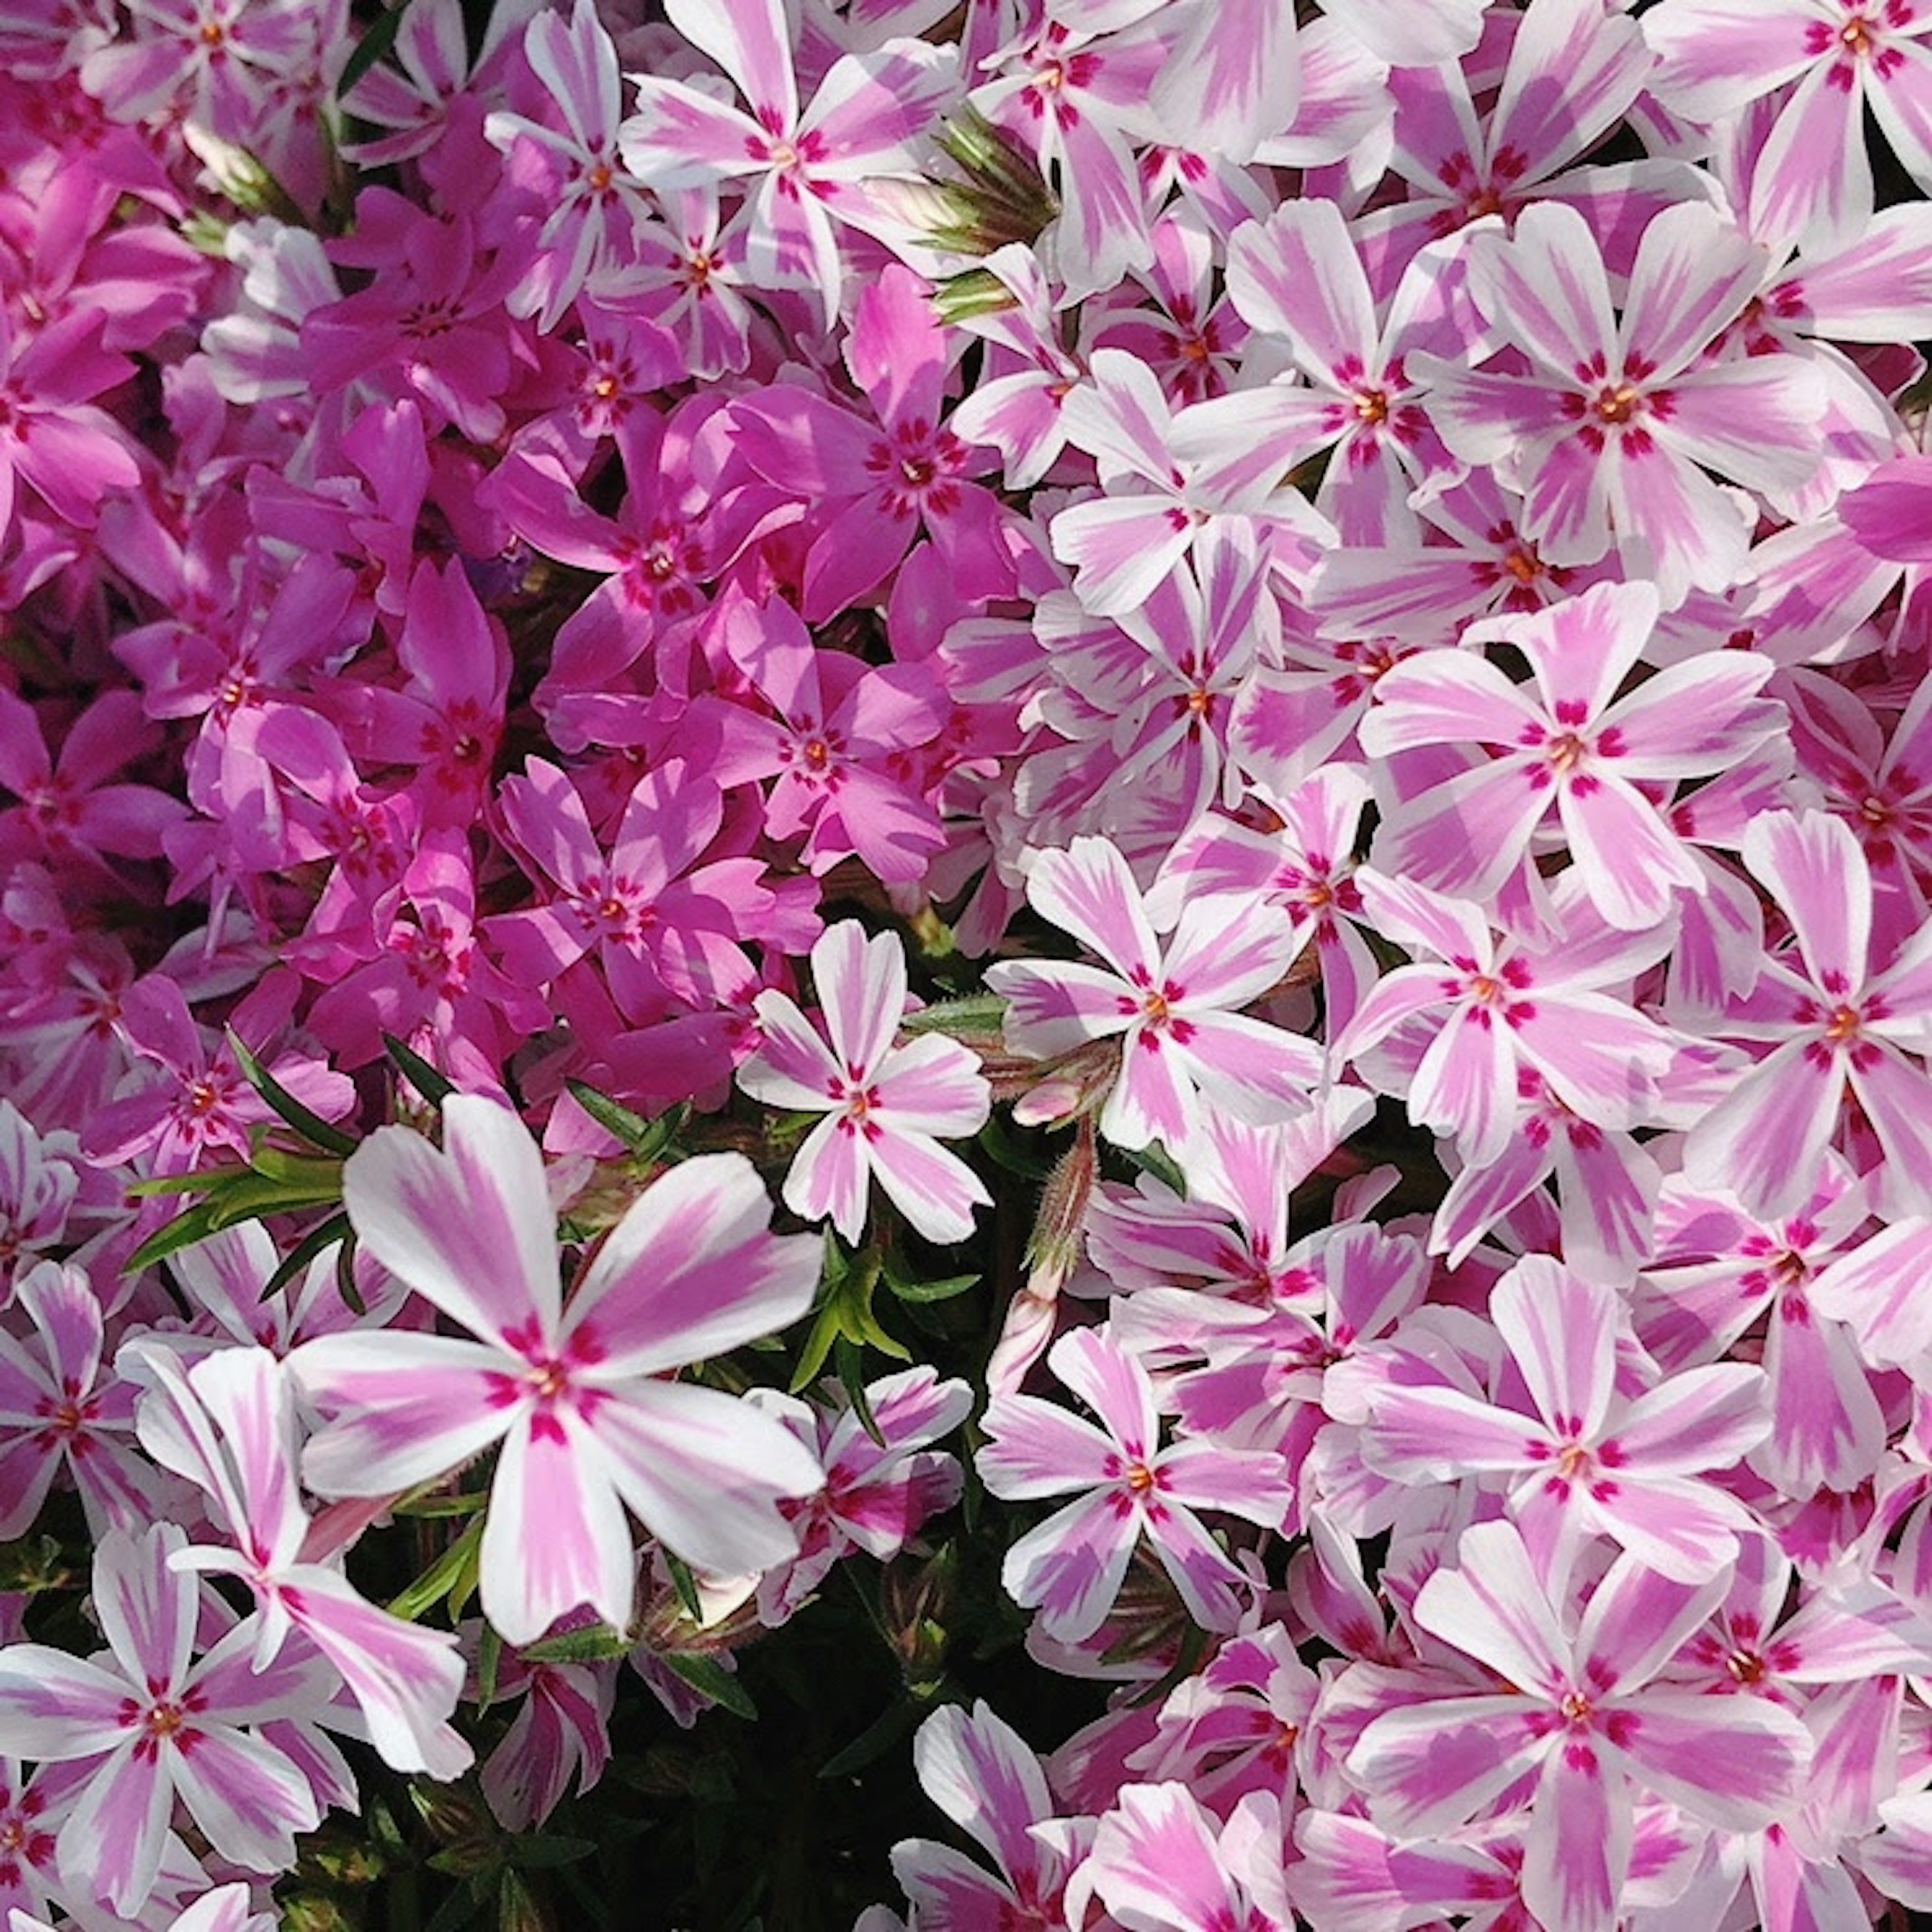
pixel 886 1107
pixel 576 1396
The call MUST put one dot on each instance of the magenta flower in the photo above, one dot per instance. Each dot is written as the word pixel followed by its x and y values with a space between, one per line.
pixel 561 1731
pixel 1586 1462
pixel 872 486
pixel 657 919
pixel 886 1107
pixel 1572 746
pixel 1837 1029
pixel 1611 426
pixel 52 437
pixel 1071 1567
pixel 844 736
pixel 1184 1042
pixel 155 1726
pixel 1582 1717
pixel 576 1396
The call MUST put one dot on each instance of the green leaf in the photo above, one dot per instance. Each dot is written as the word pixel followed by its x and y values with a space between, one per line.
pixel 371 47
pixel 443 1578
pixel 467 1504
pixel 195 1224
pixel 684 1583
pixel 434 1086
pixel 197 1183
pixel 898 1720
pixel 1155 1159
pixel 709 1678
pixel 852 1373
pixel 647 1139
pixel 254 1196
pixel 546 1853
pixel 345 1276
pixel 489 1666
pixel 953 1286
pixel 318 1240
pixel 974 1013
pixel 309 1124
pixel 596 1643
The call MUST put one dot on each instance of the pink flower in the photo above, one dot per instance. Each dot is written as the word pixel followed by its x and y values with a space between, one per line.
pixel 886 1107
pixel 1837 1029
pixel 1587 1463
pixel 808 167
pixel 576 1396
pixel 1183 1043
pixel 228 1425
pixel 1582 1716
pixel 1573 746
pixel 156 1726
pixel 53 438
pixel 1611 426
pixel 1071 1567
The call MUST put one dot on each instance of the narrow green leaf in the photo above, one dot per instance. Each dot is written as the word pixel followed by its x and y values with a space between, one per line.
pixel 684 1583
pixel 953 1286
pixel 647 1139
pixel 306 1122
pixel 318 1240
pixel 852 1373
pixel 441 1577
pixel 489 1666
pixel 345 1276
pixel 371 47
pixel 434 1086
pixel 709 1678
pixel 1155 1159
pixel 467 1504
pixel 825 1331
pixel 898 1720
pixel 193 1225
pixel 596 1643
pixel 199 1182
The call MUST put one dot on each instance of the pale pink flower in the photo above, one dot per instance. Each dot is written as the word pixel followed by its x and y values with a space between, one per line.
pixel 577 1397
pixel 886 1107
pixel 881 1483
pixel 1582 1716
pixel 1587 1462
pixel 986 1780
pixel 1838 1026
pixel 228 1425
pixel 59 1409
pixel 1568 745
pixel 1611 426
pixel 1506 1005
pixel 804 168
pixel 158 1727
pixel 1813 176
pixel 1071 1567
pixel 1174 1004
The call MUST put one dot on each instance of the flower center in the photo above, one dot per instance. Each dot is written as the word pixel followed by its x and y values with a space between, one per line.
pixel 1372 405
pixel 1745 1666
pixel 1842 1025
pixel 1576 1709
pixel 1616 403
pixel 1140 1479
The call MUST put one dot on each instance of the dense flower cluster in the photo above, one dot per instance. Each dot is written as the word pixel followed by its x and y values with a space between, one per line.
pixel 1289 640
